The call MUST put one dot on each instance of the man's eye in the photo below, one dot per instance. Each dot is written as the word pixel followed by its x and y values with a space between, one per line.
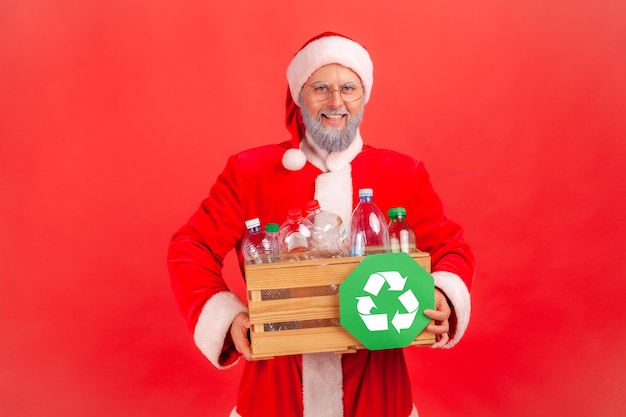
pixel 348 89
pixel 320 88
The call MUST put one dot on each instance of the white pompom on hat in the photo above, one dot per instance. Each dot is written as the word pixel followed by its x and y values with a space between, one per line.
pixel 326 48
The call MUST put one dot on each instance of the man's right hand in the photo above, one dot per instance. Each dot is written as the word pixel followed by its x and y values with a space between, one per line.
pixel 239 333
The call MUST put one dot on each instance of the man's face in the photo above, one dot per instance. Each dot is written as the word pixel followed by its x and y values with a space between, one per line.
pixel 332 123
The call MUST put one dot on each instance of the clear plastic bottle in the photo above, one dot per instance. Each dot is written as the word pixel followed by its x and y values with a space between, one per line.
pixel 262 247
pixel 258 247
pixel 330 235
pixel 368 233
pixel 272 230
pixel 332 241
pixel 401 235
pixel 295 237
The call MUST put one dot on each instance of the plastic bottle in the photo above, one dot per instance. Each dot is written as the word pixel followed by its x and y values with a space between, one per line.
pixel 295 237
pixel 330 235
pixel 332 241
pixel 368 233
pixel 401 235
pixel 272 230
pixel 262 247
pixel 258 247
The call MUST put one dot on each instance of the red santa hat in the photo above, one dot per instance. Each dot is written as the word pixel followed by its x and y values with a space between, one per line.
pixel 326 48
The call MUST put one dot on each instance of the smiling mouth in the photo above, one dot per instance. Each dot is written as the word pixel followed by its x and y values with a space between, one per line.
pixel 334 116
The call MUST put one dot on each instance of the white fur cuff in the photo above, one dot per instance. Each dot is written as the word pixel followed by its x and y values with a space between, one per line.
pixel 214 323
pixel 456 291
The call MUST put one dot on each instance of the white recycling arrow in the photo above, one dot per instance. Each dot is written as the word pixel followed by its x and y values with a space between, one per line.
pixel 365 305
pixel 409 301
pixel 405 320
pixel 375 283
pixel 376 322
pixel 373 322
pixel 395 280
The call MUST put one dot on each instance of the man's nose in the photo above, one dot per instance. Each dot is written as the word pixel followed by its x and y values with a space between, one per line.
pixel 335 99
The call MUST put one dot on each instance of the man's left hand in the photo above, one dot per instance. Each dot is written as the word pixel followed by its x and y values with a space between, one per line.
pixel 441 326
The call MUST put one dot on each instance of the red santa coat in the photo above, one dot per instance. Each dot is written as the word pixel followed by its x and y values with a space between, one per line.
pixel 255 184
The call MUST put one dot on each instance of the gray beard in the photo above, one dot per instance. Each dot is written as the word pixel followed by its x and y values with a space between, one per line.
pixel 331 139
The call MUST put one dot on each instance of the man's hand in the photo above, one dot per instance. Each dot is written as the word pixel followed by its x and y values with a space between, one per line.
pixel 440 315
pixel 239 334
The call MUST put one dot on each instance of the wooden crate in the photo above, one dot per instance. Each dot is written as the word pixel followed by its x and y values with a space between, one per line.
pixel 304 280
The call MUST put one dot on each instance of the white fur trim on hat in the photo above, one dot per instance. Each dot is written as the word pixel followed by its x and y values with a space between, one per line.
pixel 455 289
pixel 330 50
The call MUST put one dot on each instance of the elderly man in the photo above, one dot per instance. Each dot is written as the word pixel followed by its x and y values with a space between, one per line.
pixel 330 81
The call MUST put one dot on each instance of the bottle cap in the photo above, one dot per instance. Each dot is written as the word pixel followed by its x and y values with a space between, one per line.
pixel 294 214
pixel 272 227
pixel 366 192
pixel 312 206
pixel 252 223
pixel 396 212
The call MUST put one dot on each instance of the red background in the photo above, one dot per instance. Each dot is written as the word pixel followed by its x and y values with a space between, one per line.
pixel 116 117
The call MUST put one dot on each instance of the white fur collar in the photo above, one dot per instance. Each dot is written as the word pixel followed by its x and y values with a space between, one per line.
pixel 330 161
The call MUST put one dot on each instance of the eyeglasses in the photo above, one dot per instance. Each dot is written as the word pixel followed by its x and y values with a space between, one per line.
pixel 321 91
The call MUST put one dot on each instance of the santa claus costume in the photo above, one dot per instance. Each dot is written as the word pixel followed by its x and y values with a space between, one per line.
pixel 266 182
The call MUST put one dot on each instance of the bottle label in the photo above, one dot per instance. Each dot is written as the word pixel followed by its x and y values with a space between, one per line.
pixel 296 243
pixel 404 241
pixel 359 244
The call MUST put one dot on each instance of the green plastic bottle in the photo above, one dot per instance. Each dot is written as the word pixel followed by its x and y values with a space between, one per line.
pixel 401 235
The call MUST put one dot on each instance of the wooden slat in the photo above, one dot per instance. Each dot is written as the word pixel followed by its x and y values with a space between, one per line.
pixel 424 338
pixel 255 296
pixel 292 342
pixel 298 274
pixel 326 339
pixel 307 273
pixel 294 309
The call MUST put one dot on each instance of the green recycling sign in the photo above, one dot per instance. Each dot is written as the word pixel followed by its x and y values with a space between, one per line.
pixel 381 302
